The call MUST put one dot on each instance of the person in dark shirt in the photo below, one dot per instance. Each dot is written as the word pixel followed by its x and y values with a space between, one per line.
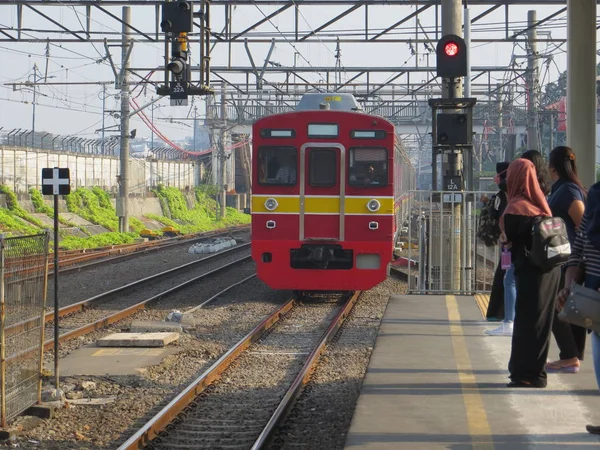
pixel 495 311
pixel 585 255
pixel 566 200
pixel 536 288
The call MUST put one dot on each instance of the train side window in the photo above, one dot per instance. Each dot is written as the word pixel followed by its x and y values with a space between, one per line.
pixel 322 170
pixel 277 166
pixel 368 167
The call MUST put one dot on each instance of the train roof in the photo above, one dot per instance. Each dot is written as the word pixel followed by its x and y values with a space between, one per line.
pixel 336 101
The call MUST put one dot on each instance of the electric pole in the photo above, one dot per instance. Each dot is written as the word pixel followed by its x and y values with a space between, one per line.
pixel 453 166
pixel 532 83
pixel 122 204
pixel 222 157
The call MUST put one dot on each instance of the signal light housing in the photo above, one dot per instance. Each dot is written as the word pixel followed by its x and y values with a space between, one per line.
pixel 451 56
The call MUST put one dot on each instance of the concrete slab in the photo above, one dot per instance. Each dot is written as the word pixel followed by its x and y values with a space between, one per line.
pixel 46 220
pixel 144 326
pixel 91 360
pixel 137 339
pixel 437 381
pixel 75 219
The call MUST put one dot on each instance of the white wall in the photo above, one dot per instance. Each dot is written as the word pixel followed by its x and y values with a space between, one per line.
pixel 21 169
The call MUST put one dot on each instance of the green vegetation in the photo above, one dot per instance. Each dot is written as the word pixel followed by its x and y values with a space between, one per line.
pixel 202 217
pixel 95 206
pixel 99 240
pixel 15 210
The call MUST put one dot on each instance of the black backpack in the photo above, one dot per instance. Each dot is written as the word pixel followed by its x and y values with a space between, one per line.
pixel 550 245
pixel 489 221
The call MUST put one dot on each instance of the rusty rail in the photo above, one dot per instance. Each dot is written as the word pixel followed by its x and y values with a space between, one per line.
pixel 305 374
pixel 70 258
pixel 75 307
pixel 124 313
pixel 165 416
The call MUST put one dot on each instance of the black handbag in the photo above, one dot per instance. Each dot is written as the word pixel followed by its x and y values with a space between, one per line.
pixel 582 308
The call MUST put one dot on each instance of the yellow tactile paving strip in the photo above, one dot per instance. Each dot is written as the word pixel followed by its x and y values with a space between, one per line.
pixel 483 300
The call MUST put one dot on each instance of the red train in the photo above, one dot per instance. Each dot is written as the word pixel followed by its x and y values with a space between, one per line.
pixel 330 192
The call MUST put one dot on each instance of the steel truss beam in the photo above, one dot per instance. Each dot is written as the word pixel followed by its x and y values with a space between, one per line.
pixel 286 33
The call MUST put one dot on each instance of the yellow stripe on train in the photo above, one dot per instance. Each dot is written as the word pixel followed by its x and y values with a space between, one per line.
pixel 320 205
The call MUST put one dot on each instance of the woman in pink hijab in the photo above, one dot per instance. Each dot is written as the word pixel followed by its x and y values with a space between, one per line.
pixel 536 289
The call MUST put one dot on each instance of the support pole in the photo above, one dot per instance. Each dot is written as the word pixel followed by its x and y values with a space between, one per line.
pixel 56 303
pixel 123 210
pixel 581 86
pixel 2 335
pixel 452 253
pixel 469 223
pixel 533 79
pixel 222 158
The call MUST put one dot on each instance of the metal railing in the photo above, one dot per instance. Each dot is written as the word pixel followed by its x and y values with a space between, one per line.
pixel 23 275
pixel 446 255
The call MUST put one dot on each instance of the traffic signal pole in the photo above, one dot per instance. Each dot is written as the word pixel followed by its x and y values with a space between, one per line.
pixel 451 89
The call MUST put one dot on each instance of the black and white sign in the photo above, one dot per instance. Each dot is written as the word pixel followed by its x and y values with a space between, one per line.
pixel 452 183
pixel 56 181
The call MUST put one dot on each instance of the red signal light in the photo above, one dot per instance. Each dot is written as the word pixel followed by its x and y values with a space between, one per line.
pixel 451 49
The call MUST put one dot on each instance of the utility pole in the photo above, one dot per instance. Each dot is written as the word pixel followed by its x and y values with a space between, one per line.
pixel 34 101
pixel 152 131
pixel 103 114
pixel 195 127
pixel 532 83
pixel 123 210
pixel 222 157
pixel 499 125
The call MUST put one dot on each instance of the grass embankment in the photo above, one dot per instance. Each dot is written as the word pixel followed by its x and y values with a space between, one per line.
pixel 202 217
pixel 94 205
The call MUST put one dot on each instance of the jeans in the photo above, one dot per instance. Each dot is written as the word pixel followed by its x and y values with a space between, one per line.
pixel 596 355
pixel 510 295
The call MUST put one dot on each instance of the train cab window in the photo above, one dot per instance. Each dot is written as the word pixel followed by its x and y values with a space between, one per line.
pixel 368 167
pixel 277 166
pixel 322 168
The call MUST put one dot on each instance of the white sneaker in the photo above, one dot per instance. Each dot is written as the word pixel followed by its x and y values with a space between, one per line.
pixel 505 329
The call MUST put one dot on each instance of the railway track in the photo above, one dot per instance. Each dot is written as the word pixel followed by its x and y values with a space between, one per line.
pixel 243 409
pixel 74 260
pixel 82 318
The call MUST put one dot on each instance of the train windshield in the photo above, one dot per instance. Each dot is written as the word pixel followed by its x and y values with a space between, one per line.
pixel 368 167
pixel 278 165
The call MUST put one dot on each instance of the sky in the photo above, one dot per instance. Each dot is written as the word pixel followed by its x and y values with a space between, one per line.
pixel 63 109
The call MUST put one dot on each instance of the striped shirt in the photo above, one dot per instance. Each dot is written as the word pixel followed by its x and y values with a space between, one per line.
pixel 584 253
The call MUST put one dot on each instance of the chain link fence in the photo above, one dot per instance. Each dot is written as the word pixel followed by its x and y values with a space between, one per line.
pixel 23 283
pixel 448 257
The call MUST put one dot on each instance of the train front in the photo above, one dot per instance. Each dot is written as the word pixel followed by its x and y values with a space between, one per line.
pixel 323 200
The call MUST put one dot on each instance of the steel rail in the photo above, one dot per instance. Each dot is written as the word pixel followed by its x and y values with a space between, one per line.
pixel 170 412
pixel 124 313
pixel 124 251
pixel 75 307
pixel 305 374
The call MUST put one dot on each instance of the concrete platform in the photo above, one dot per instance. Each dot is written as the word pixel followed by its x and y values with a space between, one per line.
pixel 91 360
pixel 437 381
pixel 137 339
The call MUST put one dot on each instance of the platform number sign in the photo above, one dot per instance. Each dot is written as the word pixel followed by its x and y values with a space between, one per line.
pixel 56 181
pixel 452 183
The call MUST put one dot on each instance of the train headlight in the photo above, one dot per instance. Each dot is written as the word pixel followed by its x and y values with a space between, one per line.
pixel 373 205
pixel 271 204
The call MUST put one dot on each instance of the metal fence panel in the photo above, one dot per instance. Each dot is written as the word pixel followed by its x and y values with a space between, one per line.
pixel 23 282
pixel 448 257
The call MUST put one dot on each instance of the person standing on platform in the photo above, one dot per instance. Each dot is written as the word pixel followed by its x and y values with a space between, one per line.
pixel 536 288
pixel 541 169
pixel 495 311
pixel 584 267
pixel 566 201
